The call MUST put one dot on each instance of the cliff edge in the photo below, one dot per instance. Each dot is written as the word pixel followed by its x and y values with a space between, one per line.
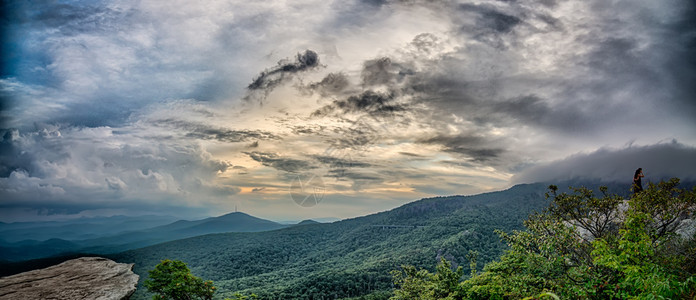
pixel 82 278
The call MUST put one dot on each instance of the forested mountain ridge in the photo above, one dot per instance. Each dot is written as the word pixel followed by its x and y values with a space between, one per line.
pixel 353 257
pixel 587 244
pixel 231 222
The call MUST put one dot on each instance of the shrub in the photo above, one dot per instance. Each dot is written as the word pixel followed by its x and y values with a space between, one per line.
pixel 172 279
pixel 584 247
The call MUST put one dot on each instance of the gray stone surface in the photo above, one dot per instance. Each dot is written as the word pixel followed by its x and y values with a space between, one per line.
pixel 82 278
pixel 684 226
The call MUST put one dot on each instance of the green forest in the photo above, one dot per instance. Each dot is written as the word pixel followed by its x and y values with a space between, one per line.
pixel 582 247
pixel 528 241
pixel 350 258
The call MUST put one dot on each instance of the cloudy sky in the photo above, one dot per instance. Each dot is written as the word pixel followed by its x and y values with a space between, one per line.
pixel 191 108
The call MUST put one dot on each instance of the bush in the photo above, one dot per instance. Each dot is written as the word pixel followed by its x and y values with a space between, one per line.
pixel 172 279
pixel 584 247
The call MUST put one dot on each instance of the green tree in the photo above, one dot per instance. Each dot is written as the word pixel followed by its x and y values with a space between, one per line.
pixel 240 296
pixel 647 259
pixel 586 247
pixel 423 285
pixel 472 256
pixel 172 279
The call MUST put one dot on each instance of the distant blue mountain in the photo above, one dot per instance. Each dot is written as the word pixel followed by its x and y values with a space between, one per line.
pixel 319 220
pixel 35 249
pixel 232 222
pixel 308 222
pixel 116 239
pixel 79 229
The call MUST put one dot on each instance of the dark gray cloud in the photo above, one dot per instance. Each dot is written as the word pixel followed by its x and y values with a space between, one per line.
pixel 474 148
pixel 359 179
pixel 370 102
pixel 490 18
pixel 533 110
pixel 277 162
pixel 207 132
pixel 437 95
pixel 241 170
pixel 332 84
pixel 340 162
pixel 548 3
pixel 271 78
pixel 17 152
pixel 594 90
pixel 383 71
pixel 426 43
pixel 359 135
pixel 308 129
pixel 409 154
pixel 458 163
pixel 11 156
pixel 478 154
pixel 348 174
pixel 231 136
pixel 659 161
pixel 679 46
pixel 526 109
pixel 377 72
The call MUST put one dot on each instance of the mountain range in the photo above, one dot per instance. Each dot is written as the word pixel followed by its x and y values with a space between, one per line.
pixel 117 234
pixel 347 259
pixel 78 229
pixel 352 258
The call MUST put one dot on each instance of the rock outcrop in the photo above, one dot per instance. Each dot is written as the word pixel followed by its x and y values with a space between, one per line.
pixel 684 226
pixel 82 278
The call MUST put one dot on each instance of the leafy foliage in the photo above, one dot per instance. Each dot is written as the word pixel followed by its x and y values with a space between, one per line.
pixel 173 280
pixel 240 296
pixel 584 247
pixel 421 284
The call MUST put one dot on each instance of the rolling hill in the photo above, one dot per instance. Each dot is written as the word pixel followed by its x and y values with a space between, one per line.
pixel 232 222
pixel 349 258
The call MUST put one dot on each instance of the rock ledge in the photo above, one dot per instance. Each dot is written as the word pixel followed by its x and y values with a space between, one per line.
pixel 82 278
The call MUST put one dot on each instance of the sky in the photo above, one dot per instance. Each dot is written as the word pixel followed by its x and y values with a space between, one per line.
pixel 291 110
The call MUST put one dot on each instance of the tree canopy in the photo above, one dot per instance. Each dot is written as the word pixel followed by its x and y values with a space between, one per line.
pixel 583 247
pixel 172 279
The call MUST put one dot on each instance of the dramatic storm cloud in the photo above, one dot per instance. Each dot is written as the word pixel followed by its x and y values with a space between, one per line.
pixel 660 161
pixel 193 108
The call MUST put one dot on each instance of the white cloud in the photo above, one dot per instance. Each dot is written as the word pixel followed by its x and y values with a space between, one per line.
pixel 110 168
pixel 445 97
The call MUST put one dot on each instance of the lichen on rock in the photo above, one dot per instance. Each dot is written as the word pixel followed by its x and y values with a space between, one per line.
pixel 82 278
